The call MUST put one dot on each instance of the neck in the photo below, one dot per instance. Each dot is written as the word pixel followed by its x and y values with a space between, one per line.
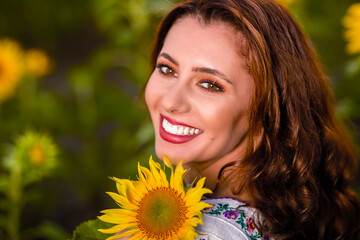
pixel 211 169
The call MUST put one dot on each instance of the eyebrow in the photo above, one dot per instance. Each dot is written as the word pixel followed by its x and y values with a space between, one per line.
pixel 212 72
pixel 198 69
pixel 167 56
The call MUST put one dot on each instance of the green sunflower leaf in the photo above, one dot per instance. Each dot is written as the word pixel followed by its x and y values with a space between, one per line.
pixel 88 230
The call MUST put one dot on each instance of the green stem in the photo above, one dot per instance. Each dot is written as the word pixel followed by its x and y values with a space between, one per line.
pixel 0 114
pixel 14 194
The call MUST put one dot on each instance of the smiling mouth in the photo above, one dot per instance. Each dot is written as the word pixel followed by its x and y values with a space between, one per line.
pixel 179 129
pixel 176 132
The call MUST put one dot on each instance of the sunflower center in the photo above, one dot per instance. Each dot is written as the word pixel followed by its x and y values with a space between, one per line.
pixel 162 213
pixel 37 155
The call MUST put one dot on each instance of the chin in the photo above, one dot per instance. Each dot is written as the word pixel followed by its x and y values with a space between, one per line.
pixel 174 157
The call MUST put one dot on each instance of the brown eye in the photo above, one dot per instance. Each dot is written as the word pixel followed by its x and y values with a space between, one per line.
pixel 167 70
pixel 212 87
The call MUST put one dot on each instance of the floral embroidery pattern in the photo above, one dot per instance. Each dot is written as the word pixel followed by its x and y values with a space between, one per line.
pixel 250 225
pixel 238 216
pixel 231 214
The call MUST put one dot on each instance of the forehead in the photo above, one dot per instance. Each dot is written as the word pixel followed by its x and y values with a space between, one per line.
pixel 219 27
pixel 194 29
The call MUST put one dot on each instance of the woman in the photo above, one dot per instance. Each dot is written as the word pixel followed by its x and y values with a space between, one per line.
pixel 239 95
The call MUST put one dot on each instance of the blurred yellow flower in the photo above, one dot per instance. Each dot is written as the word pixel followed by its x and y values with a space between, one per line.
pixel 11 67
pixel 37 154
pixel 38 64
pixel 351 22
pixel 153 208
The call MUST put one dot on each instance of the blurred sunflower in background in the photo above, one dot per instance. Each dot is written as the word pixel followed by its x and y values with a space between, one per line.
pixel 351 22
pixel 11 67
pixel 152 208
pixel 36 154
pixel 38 63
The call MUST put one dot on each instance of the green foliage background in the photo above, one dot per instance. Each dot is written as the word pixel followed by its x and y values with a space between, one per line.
pixel 90 104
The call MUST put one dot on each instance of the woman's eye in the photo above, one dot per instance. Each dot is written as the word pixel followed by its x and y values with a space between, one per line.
pixel 167 70
pixel 213 87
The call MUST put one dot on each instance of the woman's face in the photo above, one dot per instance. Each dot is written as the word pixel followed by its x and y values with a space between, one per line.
pixel 199 93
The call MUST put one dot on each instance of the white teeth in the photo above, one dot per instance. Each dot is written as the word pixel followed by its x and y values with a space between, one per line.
pixel 164 123
pixel 173 129
pixel 167 126
pixel 178 129
pixel 186 131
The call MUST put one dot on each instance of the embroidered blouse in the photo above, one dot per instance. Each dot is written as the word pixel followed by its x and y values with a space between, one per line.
pixel 229 219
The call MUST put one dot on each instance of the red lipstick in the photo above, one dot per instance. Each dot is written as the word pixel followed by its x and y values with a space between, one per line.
pixel 173 138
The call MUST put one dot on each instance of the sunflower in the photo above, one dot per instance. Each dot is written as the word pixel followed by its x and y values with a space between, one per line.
pixel 38 64
pixel 351 22
pixel 152 208
pixel 36 153
pixel 10 67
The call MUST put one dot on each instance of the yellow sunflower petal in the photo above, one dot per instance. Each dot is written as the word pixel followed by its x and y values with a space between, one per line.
pixel 177 179
pixel 124 202
pixel 121 189
pixel 164 179
pixel 194 194
pixel 147 178
pixel 167 162
pixel 117 228
pixel 196 208
pixel 127 233
pixel 138 236
pixel 117 219
pixel 140 188
pixel 127 189
pixel 155 170
pixel 119 211
pixel 187 232
pixel 150 180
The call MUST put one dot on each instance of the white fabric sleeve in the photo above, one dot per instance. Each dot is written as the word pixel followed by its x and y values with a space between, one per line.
pixel 219 229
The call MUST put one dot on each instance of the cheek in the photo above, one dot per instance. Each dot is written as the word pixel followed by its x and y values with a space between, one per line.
pixel 221 114
pixel 227 124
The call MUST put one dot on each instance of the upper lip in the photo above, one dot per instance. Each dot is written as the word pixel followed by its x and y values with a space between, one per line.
pixel 175 122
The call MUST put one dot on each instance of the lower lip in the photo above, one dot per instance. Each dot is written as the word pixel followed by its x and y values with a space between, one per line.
pixel 176 139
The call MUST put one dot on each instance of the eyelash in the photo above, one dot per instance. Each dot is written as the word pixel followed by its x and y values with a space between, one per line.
pixel 160 66
pixel 212 83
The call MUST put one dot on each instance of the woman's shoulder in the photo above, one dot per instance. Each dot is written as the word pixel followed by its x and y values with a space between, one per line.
pixel 229 219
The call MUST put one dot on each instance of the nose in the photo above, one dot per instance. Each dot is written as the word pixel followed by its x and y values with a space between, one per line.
pixel 176 99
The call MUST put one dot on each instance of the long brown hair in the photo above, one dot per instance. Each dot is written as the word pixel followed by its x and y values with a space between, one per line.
pixel 298 173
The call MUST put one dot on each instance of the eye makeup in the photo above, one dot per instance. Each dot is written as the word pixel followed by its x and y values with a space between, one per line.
pixel 211 86
pixel 166 70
